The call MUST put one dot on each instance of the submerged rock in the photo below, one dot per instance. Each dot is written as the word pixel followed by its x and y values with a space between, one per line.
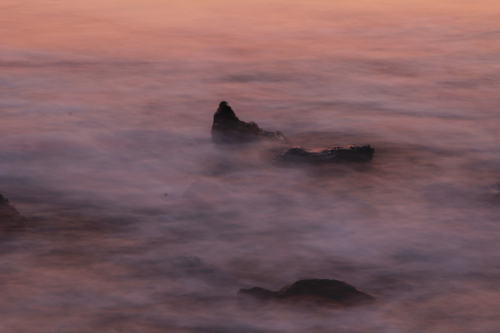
pixel 9 216
pixel 227 128
pixel 298 155
pixel 313 291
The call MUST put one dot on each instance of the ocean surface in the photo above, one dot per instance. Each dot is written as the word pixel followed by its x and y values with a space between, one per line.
pixel 137 223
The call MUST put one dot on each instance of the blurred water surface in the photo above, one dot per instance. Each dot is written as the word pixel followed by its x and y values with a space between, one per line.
pixel 106 112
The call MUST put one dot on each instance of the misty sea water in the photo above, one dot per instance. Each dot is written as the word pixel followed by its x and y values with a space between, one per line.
pixel 107 105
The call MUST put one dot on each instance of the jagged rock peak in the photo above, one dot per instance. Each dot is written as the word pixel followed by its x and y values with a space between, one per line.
pixel 224 112
pixel 3 199
pixel 228 128
pixel 9 216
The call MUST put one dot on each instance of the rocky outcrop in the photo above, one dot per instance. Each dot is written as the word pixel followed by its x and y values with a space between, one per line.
pixel 313 291
pixel 10 219
pixel 299 155
pixel 227 128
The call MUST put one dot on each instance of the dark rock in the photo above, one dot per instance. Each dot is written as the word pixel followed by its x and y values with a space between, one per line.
pixel 313 291
pixel 9 216
pixel 299 155
pixel 227 128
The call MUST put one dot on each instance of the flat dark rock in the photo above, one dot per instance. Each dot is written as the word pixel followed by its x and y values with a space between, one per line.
pixel 300 155
pixel 227 128
pixel 9 216
pixel 313 291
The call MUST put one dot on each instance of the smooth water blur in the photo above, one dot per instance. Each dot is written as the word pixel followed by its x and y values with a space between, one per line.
pixel 106 113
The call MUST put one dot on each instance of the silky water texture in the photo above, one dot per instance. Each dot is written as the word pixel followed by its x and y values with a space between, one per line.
pixel 138 223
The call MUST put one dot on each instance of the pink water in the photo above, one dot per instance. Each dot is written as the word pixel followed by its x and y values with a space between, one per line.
pixel 107 105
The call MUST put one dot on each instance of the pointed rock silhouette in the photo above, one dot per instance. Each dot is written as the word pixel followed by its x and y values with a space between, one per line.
pixel 228 128
pixel 9 216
